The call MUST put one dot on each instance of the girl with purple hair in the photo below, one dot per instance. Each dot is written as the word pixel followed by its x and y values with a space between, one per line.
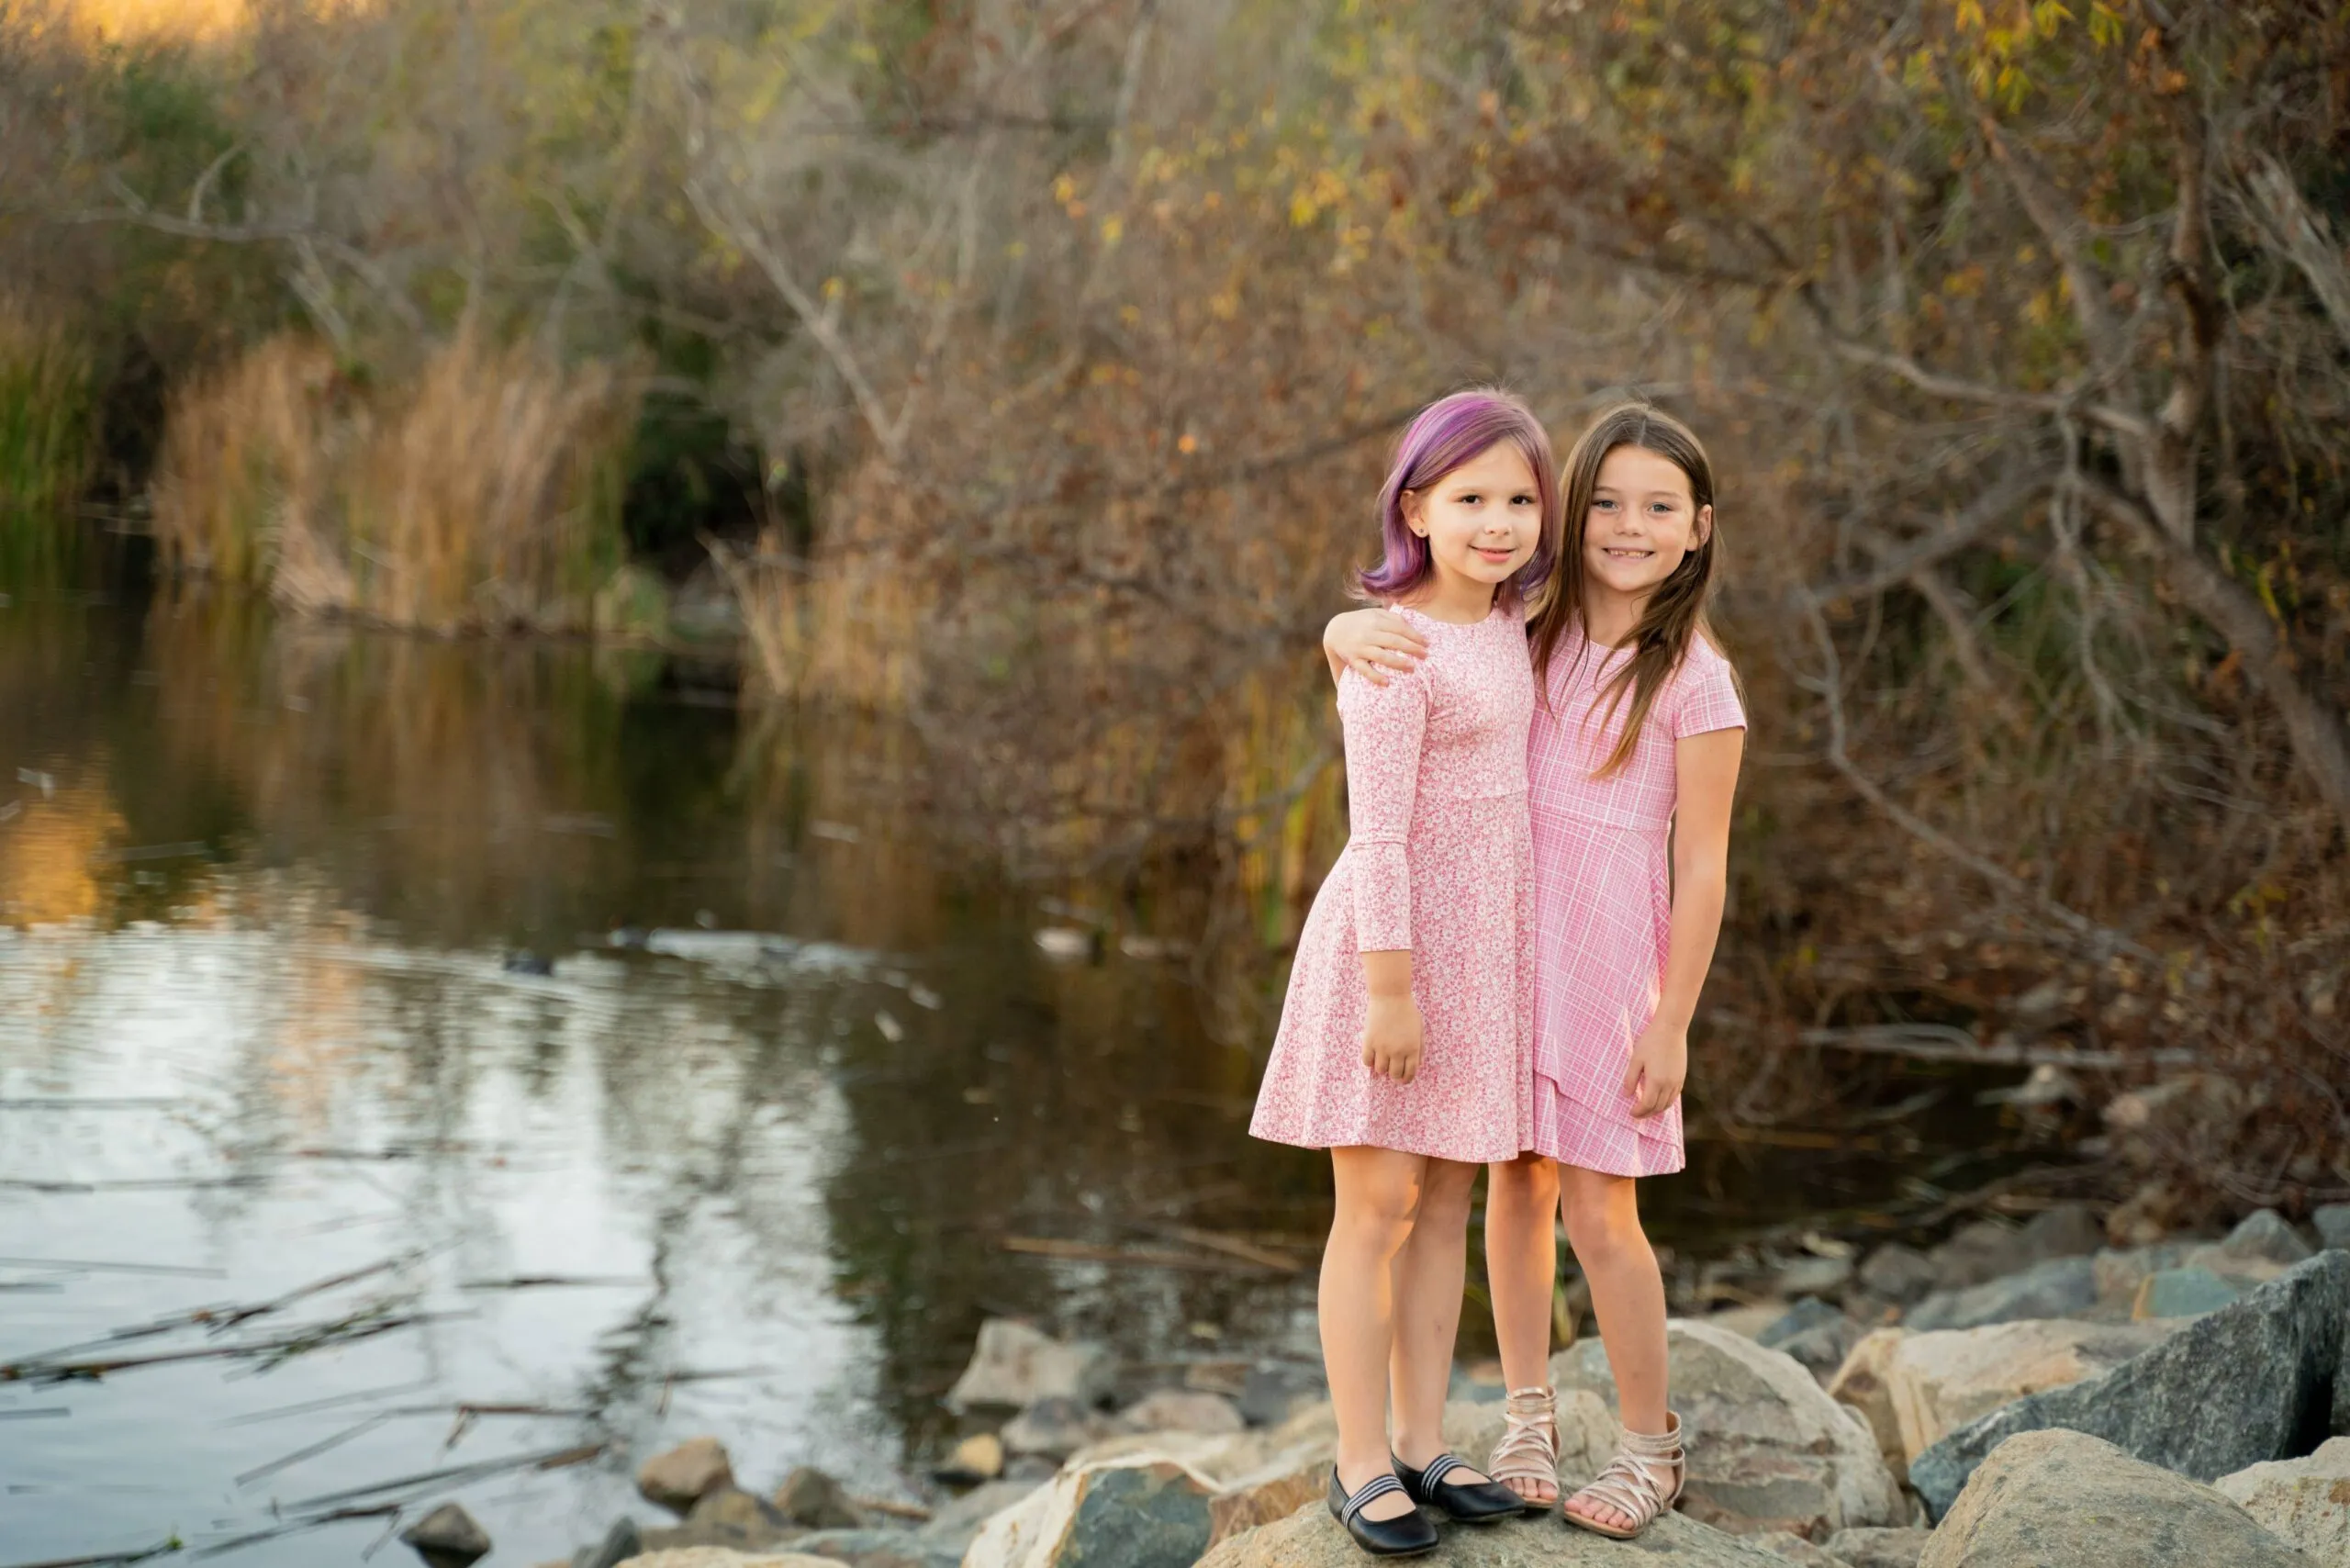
pixel 1404 1045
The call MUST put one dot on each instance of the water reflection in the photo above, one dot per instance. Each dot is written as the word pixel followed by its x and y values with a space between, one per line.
pixel 262 1025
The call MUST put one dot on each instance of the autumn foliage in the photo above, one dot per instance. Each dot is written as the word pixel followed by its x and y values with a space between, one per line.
pixel 1066 338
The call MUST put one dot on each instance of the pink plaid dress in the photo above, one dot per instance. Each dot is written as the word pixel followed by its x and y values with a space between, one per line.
pixel 1603 894
pixel 1438 861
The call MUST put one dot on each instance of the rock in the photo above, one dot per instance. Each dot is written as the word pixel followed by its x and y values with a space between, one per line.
pixel 1899 1274
pixel 1875 1548
pixel 815 1500
pixel 1940 1381
pixel 1274 1390
pixel 1793 1548
pixel 2302 1502
pixel 1821 1351
pixel 1312 1538
pixel 976 1458
pixel 2062 1287
pixel 2062 1230
pixel 723 1557
pixel 1808 1313
pixel 2264 1235
pixel 1262 1499
pixel 953 1527
pixel 2332 1223
pixel 727 1516
pixel 1056 1427
pixel 1015 1364
pixel 619 1543
pixel 1179 1410
pixel 1750 1319
pixel 448 1536
pixel 875 1549
pixel 1861 1385
pixel 1137 1512
pixel 2181 1293
pixel 678 1479
pixel 1815 1276
pixel 2120 1270
pixel 2240 1386
pixel 1769 1449
pixel 2068 1500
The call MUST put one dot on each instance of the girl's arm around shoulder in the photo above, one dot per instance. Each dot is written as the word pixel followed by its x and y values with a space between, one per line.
pixel 1373 644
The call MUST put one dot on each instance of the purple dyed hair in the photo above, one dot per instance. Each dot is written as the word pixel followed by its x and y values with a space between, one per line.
pixel 1441 437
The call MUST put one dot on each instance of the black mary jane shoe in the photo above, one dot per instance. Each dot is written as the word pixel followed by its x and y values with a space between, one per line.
pixel 1406 1535
pixel 1464 1502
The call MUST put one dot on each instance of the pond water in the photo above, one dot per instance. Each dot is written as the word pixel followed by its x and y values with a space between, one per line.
pixel 493 1062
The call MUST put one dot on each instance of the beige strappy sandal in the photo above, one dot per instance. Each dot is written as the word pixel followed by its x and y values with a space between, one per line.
pixel 1529 1449
pixel 1628 1484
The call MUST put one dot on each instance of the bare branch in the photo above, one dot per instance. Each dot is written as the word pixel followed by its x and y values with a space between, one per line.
pixel 1963 391
pixel 2290 228
pixel 2321 739
pixel 136 212
pixel 2063 231
pixel 1898 561
pixel 1830 685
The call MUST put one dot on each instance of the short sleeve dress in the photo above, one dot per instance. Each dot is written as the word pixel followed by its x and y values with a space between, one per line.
pixel 1603 879
pixel 1439 860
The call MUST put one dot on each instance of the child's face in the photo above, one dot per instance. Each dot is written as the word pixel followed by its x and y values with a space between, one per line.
pixel 1642 522
pixel 1483 519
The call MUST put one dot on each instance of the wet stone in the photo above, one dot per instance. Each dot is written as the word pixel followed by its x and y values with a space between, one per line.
pixel 448 1536
pixel 2181 1293
pixel 680 1477
pixel 619 1543
pixel 809 1497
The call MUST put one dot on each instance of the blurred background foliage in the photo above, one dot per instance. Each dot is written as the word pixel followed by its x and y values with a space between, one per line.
pixel 1021 369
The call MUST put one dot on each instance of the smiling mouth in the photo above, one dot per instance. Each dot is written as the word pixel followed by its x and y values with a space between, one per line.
pixel 1490 553
pixel 1619 554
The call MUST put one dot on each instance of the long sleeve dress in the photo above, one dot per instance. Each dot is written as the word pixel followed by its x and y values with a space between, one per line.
pixel 1439 860
pixel 1603 879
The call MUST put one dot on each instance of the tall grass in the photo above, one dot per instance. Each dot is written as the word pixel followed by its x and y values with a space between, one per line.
pixel 47 432
pixel 483 493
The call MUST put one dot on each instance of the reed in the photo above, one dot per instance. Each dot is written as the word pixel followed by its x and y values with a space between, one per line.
pixel 246 452
pixel 48 430
pixel 482 495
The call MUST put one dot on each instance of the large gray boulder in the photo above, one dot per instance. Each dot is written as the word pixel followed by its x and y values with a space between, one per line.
pixel 1769 1449
pixel 2248 1383
pixel 1939 1382
pixel 2061 1287
pixel 1312 1538
pixel 2060 1499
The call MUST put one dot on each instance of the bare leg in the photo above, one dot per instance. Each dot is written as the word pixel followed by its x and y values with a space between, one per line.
pixel 1522 1263
pixel 1379 1194
pixel 1626 1295
pixel 1428 1276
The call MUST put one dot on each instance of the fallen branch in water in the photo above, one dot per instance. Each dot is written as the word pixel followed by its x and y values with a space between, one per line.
pixel 109 1559
pixel 461 1474
pixel 1942 1042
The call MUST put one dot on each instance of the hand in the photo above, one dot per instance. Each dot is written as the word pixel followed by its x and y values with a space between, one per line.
pixel 1391 1037
pixel 1660 1066
pixel 1371 643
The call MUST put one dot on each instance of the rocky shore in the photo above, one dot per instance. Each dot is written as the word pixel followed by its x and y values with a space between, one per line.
pixel 2022 1393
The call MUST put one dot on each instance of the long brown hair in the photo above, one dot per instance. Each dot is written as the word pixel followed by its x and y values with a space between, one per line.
pixel 1675 611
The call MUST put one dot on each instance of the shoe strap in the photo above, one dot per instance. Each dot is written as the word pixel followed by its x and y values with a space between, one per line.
pixel 1375 1488
pixel 1436 1469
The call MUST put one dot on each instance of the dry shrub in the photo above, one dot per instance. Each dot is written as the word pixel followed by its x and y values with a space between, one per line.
pixel 47 410
pixel 245 449
pixel 483 495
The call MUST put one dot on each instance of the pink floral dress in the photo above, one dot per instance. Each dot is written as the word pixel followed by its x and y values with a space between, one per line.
pixel 1439 861
pixel 1603 882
